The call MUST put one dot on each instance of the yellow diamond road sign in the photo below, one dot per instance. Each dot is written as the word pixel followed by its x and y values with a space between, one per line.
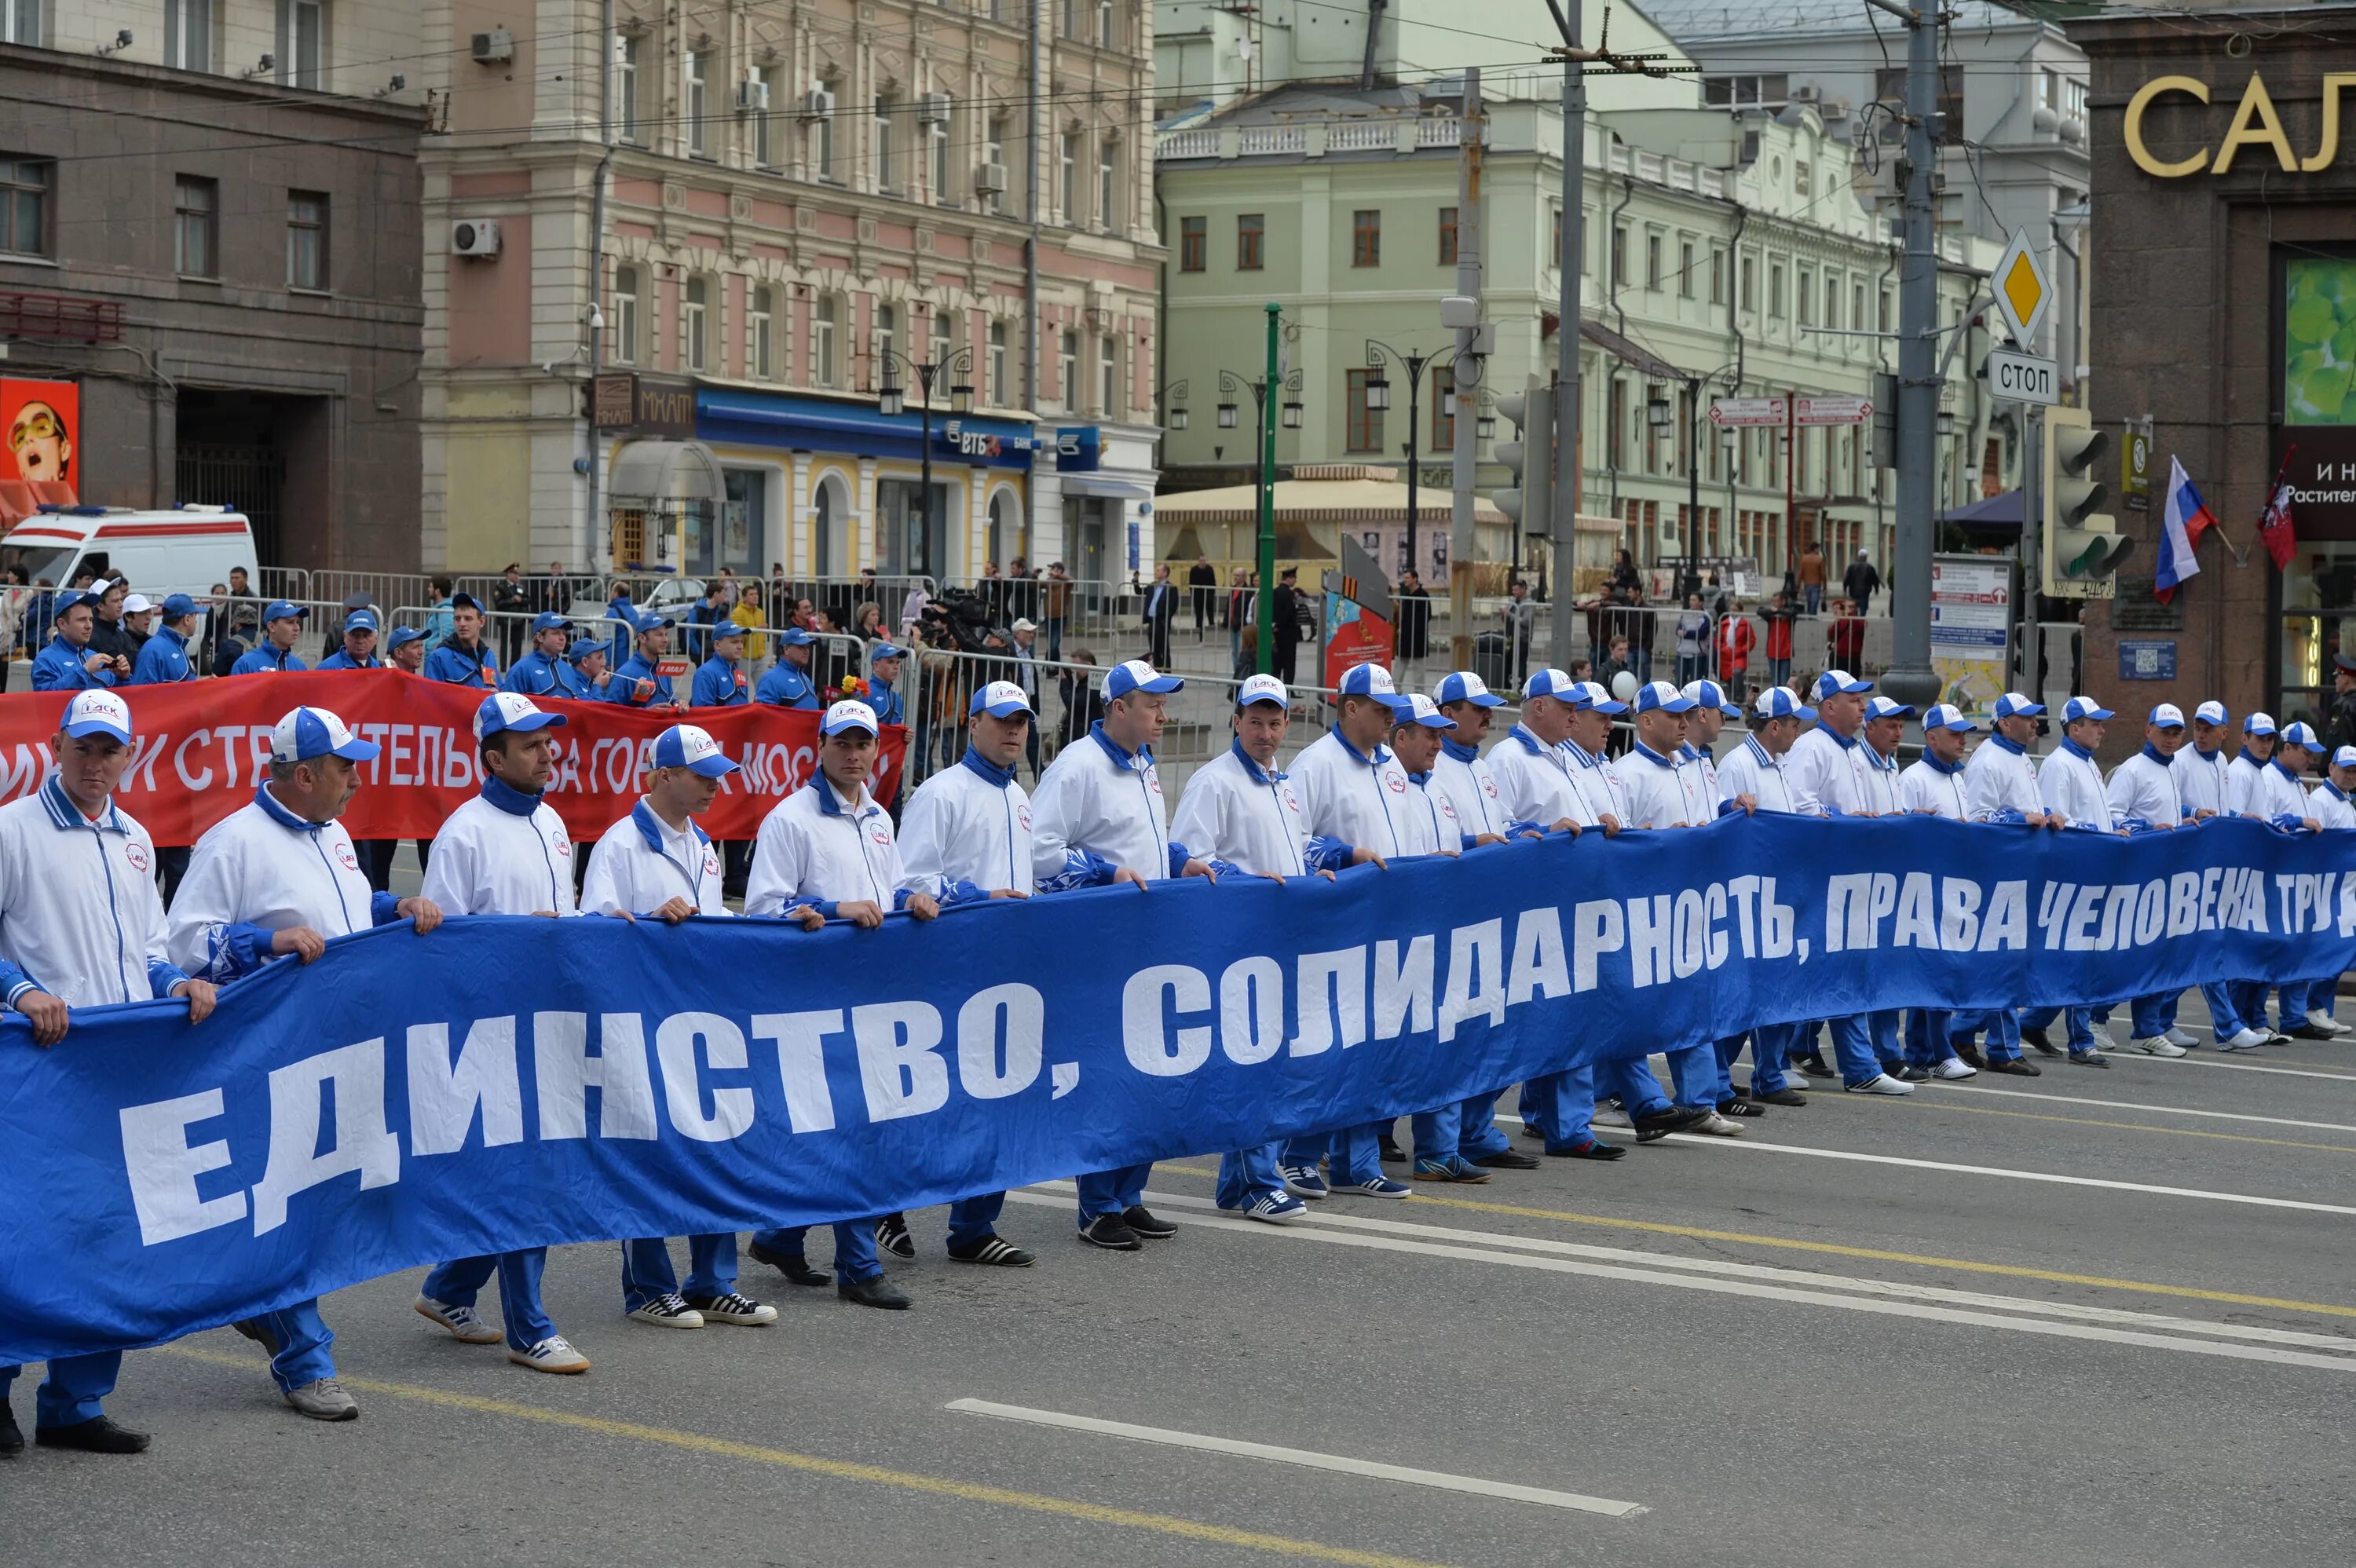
pixel 2023 293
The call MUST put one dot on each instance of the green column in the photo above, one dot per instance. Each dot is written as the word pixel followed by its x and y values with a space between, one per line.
pixel 1268 411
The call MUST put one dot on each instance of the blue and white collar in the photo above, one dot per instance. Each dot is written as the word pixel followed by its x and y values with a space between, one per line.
pixel 1458 749
pixel 998 776
pixel 1950 769
pixel 2333 790
pixel 652 828
pixel 2245 757
pixel 2076 750
pixel 1381 752
pixel 1579 754
pixel 1529 742
pixel 2276 763
pixel 276 811
pixel 1652 756
pixel 2006 743
pixel 1127 762
pixel 1758 754
pixel 1252 770
pixel 64 812
pixel 830 803
pixel 508 798
pixel 1845 741
pixel 2157 755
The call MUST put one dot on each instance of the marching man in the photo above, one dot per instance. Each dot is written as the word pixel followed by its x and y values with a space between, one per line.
pixel 2277 794
pixel 1753 778
pixel 2145 793
pixel 2070 785
pixel 1933 786
pixel 658 864
pixel 719 680
pixel 280 875
pixel 68 664
pixel 463 658
pixel 789 682
pixel 358 650
pixel 80 925
pixel 504 852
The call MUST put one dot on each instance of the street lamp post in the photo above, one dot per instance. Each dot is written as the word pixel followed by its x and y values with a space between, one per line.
pixel 1288 415
pixel 1378 400
pixel 891 402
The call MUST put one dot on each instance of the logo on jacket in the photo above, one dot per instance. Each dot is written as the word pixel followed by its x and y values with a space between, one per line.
pixel 562 846
pixel 1489 787
pixel 710 864
pixel 880 836
pixel 136 855
pixel 344 853
pixel 1398 782
pixel 1022 815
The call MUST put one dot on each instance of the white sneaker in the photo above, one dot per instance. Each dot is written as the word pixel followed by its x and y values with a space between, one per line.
pixel 2324 1021
pixel 1794 1078
pixel 465 1325
pixel 1609 1116
pixel 1885 1084
pixel 2158 1045
pixel 668 1312
pixel 2248 1039
pixel 553 1354
pixel 1718 1127
pixel 2180 1037
pixel 1954 1069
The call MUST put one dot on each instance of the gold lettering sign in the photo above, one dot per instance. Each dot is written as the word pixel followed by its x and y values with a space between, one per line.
pixel 2255 125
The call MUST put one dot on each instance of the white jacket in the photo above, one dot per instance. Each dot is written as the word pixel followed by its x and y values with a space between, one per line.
pixel 1429 823
pixel 1924 786
pixel 2330 807
pixel 1828 773
pixel 641 863
pixel 1235 811
pixel 816 849
pixel 2245 779
pixel 1472 787
pixel 2146 787
pixel 1748 770
pixel 1702 768
pixel 263 870
pixel 1534 782
pixel 1598 781
pixel 2276 794
pixel 1661 793
pixel 2068 783
pixel 1099 810
pixel 80 917
pixel 1882 792
pixel 2000 777
pixel 970 824
pixel 1361 800
pixel 2200 779
pixel 490 861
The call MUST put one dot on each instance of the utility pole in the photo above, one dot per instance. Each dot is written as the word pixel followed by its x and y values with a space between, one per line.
pixel 1471 374
pixel 1570 400
pixel 1910 679
pixel 1266 602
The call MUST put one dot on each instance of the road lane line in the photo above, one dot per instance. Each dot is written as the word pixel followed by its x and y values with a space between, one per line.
pixel 2136 1056
pixel 1943 1090
pixel 1845 1250
pixel 843 1469
pixel 1932 1102
pixel 1308 1459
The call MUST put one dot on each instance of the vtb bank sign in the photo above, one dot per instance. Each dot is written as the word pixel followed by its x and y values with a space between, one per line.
pixel 2256 129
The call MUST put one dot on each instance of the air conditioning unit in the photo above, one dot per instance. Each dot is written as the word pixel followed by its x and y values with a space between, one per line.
pixel 475 237
pixel 1806 92
pixel 752 96
pixel 990 179
pixel 817 104
pixel 494 48
pixel 933 109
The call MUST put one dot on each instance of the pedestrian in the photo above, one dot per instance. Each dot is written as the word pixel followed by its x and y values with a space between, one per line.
pixel 358 650
pixel 281 875
pixel 2202 776
pixel 138 613
pixel 1694 641
pixel 1414 602
pixel 1203 586
pixel 1844 638
pixel 107 633
pixel 2146 794
pixel 1861 582
pixel 1160 611
pixel 789 682
pixel 2001 785
pixel 1023 670
pixel 828 852
pixel 1812 578
pixel 1100 817
pixel 2273 794
pixel 1698 759
pixel 165 661
pixel 546 668
pixel 1918 1056
pixel 1778 617
pixel 440 617
pixel 2070 786
pixel 1735 640
pixel 1084 706
pixel 511 602
pixel 640 682
pixel 15 601
pixel 658 864
pixel 695 637
pixel 1054 606
pixel 68 939
pixel 463 658
pixel 506 851
pixel 624 614
pixel 1288 615
pixel 1616 663
pixel 747 613
pixel 69 663
pixel 1521 618
pixel 281 622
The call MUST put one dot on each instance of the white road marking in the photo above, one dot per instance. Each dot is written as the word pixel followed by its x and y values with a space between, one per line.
pixel 1374 1468
pixel 2131 1106
pixel 2194 1060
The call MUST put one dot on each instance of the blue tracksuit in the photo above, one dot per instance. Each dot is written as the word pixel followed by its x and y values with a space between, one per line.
pixel 718 683
pixel 889 709
pixel 459 666
pixel 164 660
pixel 265 660
pixel 787 685
pixel 536 675
pixel 59 667
pixel 636 685
pixel 339 660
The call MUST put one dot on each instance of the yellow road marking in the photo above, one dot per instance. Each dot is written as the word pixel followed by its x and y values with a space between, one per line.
pixel 845 1470
pixel 1840 1250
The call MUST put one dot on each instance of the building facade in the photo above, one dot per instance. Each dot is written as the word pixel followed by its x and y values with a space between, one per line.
pixel 210 236
pixel 723 230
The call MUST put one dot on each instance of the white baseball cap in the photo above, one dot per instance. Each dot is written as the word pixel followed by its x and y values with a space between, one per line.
pixel 2167 716
pixel 686 746
pixel 308 732
pixel 1418 709
pixel 2079 707
pixel 137 605
pixel 511 710
pixel 1373 680
pixel 97 712
pixel 1001 699
pixel 1464 685
pixel 1262 689
pixel 848 714
pixel 1665 696
pixel 2211 712
pixel 1947 716
pixel 2344 758
pixel 2258 724
pixel 2012 705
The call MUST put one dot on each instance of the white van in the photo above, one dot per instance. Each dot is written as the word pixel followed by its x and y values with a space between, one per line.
pixel 185 551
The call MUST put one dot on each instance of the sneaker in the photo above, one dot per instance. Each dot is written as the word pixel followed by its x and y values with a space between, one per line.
pixel 324 1401
pixel 1146 1224
pixel 1741 1107
pixel 2180 1036
pixel 1106 1230
pixel 2089 1058
pixel 1953 1071
pixel 2325 1021
pixel 2248 1039
pixel 995 1250
pixel 1969 1055
pixel 1611 1118
pixel 1718 1127
pixel 742 1310
pixel 1909 1073
pixel 1593 1148
pixel 793 1265
pixel 878 1291
pixel 1657 1124
pixel 1274 1208
pixel 2299 1028
pixel 99 1435
pixel 1505 1159
pixel 1786 1095
pixel 1795 1077
pixel 891 1235
pixel 465 1325
pixel 1880 1083
pixel 2036 1037
pixel 669 1311
pixel 1391 1153
pixel 1304 1181
pixel 1813 1064
pixel 553 1354
pixel 1376 1187
pixel 2019 1067
pixel 2155 1045
pixel 1455 1168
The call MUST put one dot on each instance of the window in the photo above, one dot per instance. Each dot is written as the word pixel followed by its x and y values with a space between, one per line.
pixel 825 324
pixel 1832 303
pixel 1803 177
pixel 1806 294
pixel 1067 372
pixel 1775 289
pixel 1073 28
pixel 24 205
pixel 760 346
pixel 1444 409
pixel 768 124
pixel 307 240
pixel 692 324
pixel 1251 231
pixel 1652 262
pixel 1104 24
pixel 1067 177
pixel 1718 277
pixel 1000 394
pixel 302 43
pixel 196 216
pixel 1888 319
pixel 625 340
pixel 1365 431
pixel 1554 247
pixel 1193 240
pixel 993 151
pixel 943 335
pixel 1749 284
pixel 822 140
pixel 20 21
pixel 1108 376
pixel 1619 257
pixel 188 35
pixel 1108 210
pixel 1684 269
pixel 1760 92
pixel 1890 87
pixel 1857 304
pixel 1366 237
pixel 699 103
pixel 887 343
pixel 626 88
pixel 937 160
pixel 885 171
pixel 1448 236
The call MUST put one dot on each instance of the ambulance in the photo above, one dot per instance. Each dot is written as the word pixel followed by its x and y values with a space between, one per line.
pixel 185 551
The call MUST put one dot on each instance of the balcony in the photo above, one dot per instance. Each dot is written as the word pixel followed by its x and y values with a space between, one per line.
pixel 59 317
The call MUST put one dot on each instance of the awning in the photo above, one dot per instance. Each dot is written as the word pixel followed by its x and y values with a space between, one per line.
pixel 666 471
pixel 1112 489
pixel 2002 510
pixel 1629 352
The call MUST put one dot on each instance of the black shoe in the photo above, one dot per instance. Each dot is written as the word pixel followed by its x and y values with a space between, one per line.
pixel 1740 1106
pixel 1788 1095
pixel 2017 1067
pixel 256 1329
pixel 891 1235
pixel 99 1435
pixel 877 1292
pixel 1148 1225
pixel 1504 1159
pixel 995 1250
pixel 1595 1148
pixel 1391 1151
pixel 1970 1056
pixel 2036 1037
pixel 1106 1231
pixel 1659 1125
pixel 2307 1031
pixel 1813 1064
pixel 793 1265
pixel 12 1437
pixel 1530 1130
pixel 1909 1074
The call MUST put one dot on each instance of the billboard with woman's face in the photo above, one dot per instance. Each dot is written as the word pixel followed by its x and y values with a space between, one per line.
pixel 38 424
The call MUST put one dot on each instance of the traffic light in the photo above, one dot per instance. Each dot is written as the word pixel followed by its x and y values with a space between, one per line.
pixel 2082 544
pixel 1530 503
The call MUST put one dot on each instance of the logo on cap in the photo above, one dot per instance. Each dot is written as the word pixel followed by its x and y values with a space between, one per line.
pixel 511 710
pixel 98 713
pixel 1001 699
pixel 848 714
pixel 1261 689
pixel 1663 696
pixel 2168 716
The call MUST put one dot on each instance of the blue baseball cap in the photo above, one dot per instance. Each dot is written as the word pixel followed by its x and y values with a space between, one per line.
pixel 1418 709
pixel 1374 680
pixel 175 605
pixel 2344 758
pixel 1262 689
pixel 1947 716
pixel 1551 682
pixel 1136 675
pixel 649 621
pixel 1777 702
pixel 100 712
pixel 882 651
pixel 401 635
pixel 685 746
pixel 1709 694
pixel 308 733
pixel 2167 716
pixel 849 714
pixel 1663 696
pixel 1888 708
pixel 2258 724
pixel 2079 707
pixel 1839 682
pixel 1593 693
pixel 360 620
pixel 1001 699
pixel 511 710
pixel 2301 735
pixel 70 598
pixel 1464 685
pixel 581 649
pixel 726 629
pixel 285 610
pixel 794 637
pixel 2012 705
pixel 550 621
pixel 465 601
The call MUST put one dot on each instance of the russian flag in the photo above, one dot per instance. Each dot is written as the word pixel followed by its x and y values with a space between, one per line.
pixel 2186 518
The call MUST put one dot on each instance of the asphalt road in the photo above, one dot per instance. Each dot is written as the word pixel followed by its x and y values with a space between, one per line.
pixel 2094 1317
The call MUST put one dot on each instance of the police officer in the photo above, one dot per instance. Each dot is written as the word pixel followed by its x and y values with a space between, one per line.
pixel 278 875
pixel 544 670
pixel 639 682
pixel 405 646
pixel 81 926
pixel 164 659
pixel 69 662
pixel 281 622
pixel 787 683
pixel 464 659
pixel 2339 727
pixel 658 864
pixel 2145 796
pixel 358 650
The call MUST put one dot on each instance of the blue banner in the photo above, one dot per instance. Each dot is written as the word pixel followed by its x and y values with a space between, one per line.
pixel 506 1082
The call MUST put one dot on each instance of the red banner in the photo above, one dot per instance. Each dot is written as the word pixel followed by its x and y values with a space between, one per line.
pixel 203 745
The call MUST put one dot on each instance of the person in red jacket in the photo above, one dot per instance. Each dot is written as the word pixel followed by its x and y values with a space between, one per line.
pixel 1778 617
pixel 1735 640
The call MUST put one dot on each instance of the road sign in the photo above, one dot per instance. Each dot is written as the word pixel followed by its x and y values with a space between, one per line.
pixel 2023 293
pixel 1840 410
pixel 1746 411
pixel 2134 471
pixel 2023 378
